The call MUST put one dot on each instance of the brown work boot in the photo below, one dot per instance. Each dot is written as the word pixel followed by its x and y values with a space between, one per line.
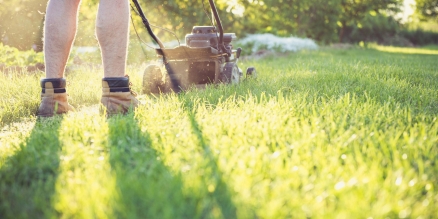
pixel 117 96
pixel 53 98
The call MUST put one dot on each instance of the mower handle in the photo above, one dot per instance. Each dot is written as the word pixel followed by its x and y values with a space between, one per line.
pixel 158 41
pixel 219 24
pixel 147 24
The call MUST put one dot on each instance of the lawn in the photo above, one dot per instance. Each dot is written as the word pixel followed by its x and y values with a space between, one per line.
pixel 320 134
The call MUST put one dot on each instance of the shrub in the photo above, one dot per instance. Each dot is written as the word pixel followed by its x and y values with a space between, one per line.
pixel 13 57
pixel 420 37
pixel 255 42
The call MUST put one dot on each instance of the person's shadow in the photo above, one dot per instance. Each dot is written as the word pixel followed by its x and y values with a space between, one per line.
pixel 147 188
pixel 28 177
pixel 221 193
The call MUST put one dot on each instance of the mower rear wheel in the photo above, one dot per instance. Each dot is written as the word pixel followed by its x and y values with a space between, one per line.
pixel 230 74
pixel 251 72
pixel 153 80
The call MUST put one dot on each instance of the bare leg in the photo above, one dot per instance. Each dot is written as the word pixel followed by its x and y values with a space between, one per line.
pixel 59 33
pixel 112 28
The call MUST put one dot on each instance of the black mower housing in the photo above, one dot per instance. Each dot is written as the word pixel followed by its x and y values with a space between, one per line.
pixel 204 36
pixel 200 61
pixel 206 58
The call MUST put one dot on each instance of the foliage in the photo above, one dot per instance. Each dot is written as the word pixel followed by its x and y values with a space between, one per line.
pixel 355 11
pixel 168 16
pixel 376 28
pixel 86 24
pixel 429 25
pixel 11 56
pixel 324 21
pixel 327 134
pixel 428 9
pixel 315 19
pixel 420 37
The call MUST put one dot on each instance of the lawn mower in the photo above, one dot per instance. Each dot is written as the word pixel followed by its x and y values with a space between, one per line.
pixel 207 57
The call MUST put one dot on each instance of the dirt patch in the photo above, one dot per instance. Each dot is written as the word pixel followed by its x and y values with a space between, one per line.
pixel 39 67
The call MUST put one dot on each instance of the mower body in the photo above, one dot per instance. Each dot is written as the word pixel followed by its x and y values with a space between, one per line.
pixel 207 57
pixel 195 64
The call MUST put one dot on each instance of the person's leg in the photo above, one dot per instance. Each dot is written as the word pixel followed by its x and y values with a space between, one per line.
pixel 112 27
pixel 59 33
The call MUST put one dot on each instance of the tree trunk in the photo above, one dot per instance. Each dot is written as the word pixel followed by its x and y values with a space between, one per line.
pixel 342 33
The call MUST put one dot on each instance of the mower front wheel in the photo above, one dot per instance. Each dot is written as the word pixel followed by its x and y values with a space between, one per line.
pixel 230 74
pixel 153 80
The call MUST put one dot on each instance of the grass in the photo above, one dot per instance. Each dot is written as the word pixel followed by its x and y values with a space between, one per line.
pixel 328 134
pixel 428 50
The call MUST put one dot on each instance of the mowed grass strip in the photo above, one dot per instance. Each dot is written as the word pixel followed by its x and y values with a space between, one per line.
pixel 328 134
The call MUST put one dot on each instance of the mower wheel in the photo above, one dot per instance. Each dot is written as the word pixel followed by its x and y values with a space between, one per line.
pixel 153 80
pixel 251 72
pixel 230 74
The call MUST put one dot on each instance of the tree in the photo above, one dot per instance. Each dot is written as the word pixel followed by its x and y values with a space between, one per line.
pixel 323 20
pixel 312 18
pixel 354 11
pixel 427 8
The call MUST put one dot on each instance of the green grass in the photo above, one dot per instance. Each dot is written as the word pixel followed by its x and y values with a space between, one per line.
pixel 328 134
pixel 427 50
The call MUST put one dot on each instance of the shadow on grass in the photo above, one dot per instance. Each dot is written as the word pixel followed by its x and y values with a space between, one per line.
pixel 147 189
pixel 27 178
pixel 214 181
pixel 220 194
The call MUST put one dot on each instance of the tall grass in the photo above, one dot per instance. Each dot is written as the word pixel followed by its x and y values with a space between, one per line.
pixel 328 134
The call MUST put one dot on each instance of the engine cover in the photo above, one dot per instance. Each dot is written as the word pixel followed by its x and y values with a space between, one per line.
pixel 205 36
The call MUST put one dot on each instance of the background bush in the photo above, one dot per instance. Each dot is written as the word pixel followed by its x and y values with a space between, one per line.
pixel 420 37
pixel 326 21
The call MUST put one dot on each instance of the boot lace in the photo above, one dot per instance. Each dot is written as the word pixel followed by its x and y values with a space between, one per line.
pixel 130 87
pixel 132 91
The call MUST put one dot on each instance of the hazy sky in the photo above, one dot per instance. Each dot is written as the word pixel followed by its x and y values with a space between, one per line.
pixel 408 9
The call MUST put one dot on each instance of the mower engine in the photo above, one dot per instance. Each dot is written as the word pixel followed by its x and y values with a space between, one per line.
pixel 207 57
pixel 206 36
